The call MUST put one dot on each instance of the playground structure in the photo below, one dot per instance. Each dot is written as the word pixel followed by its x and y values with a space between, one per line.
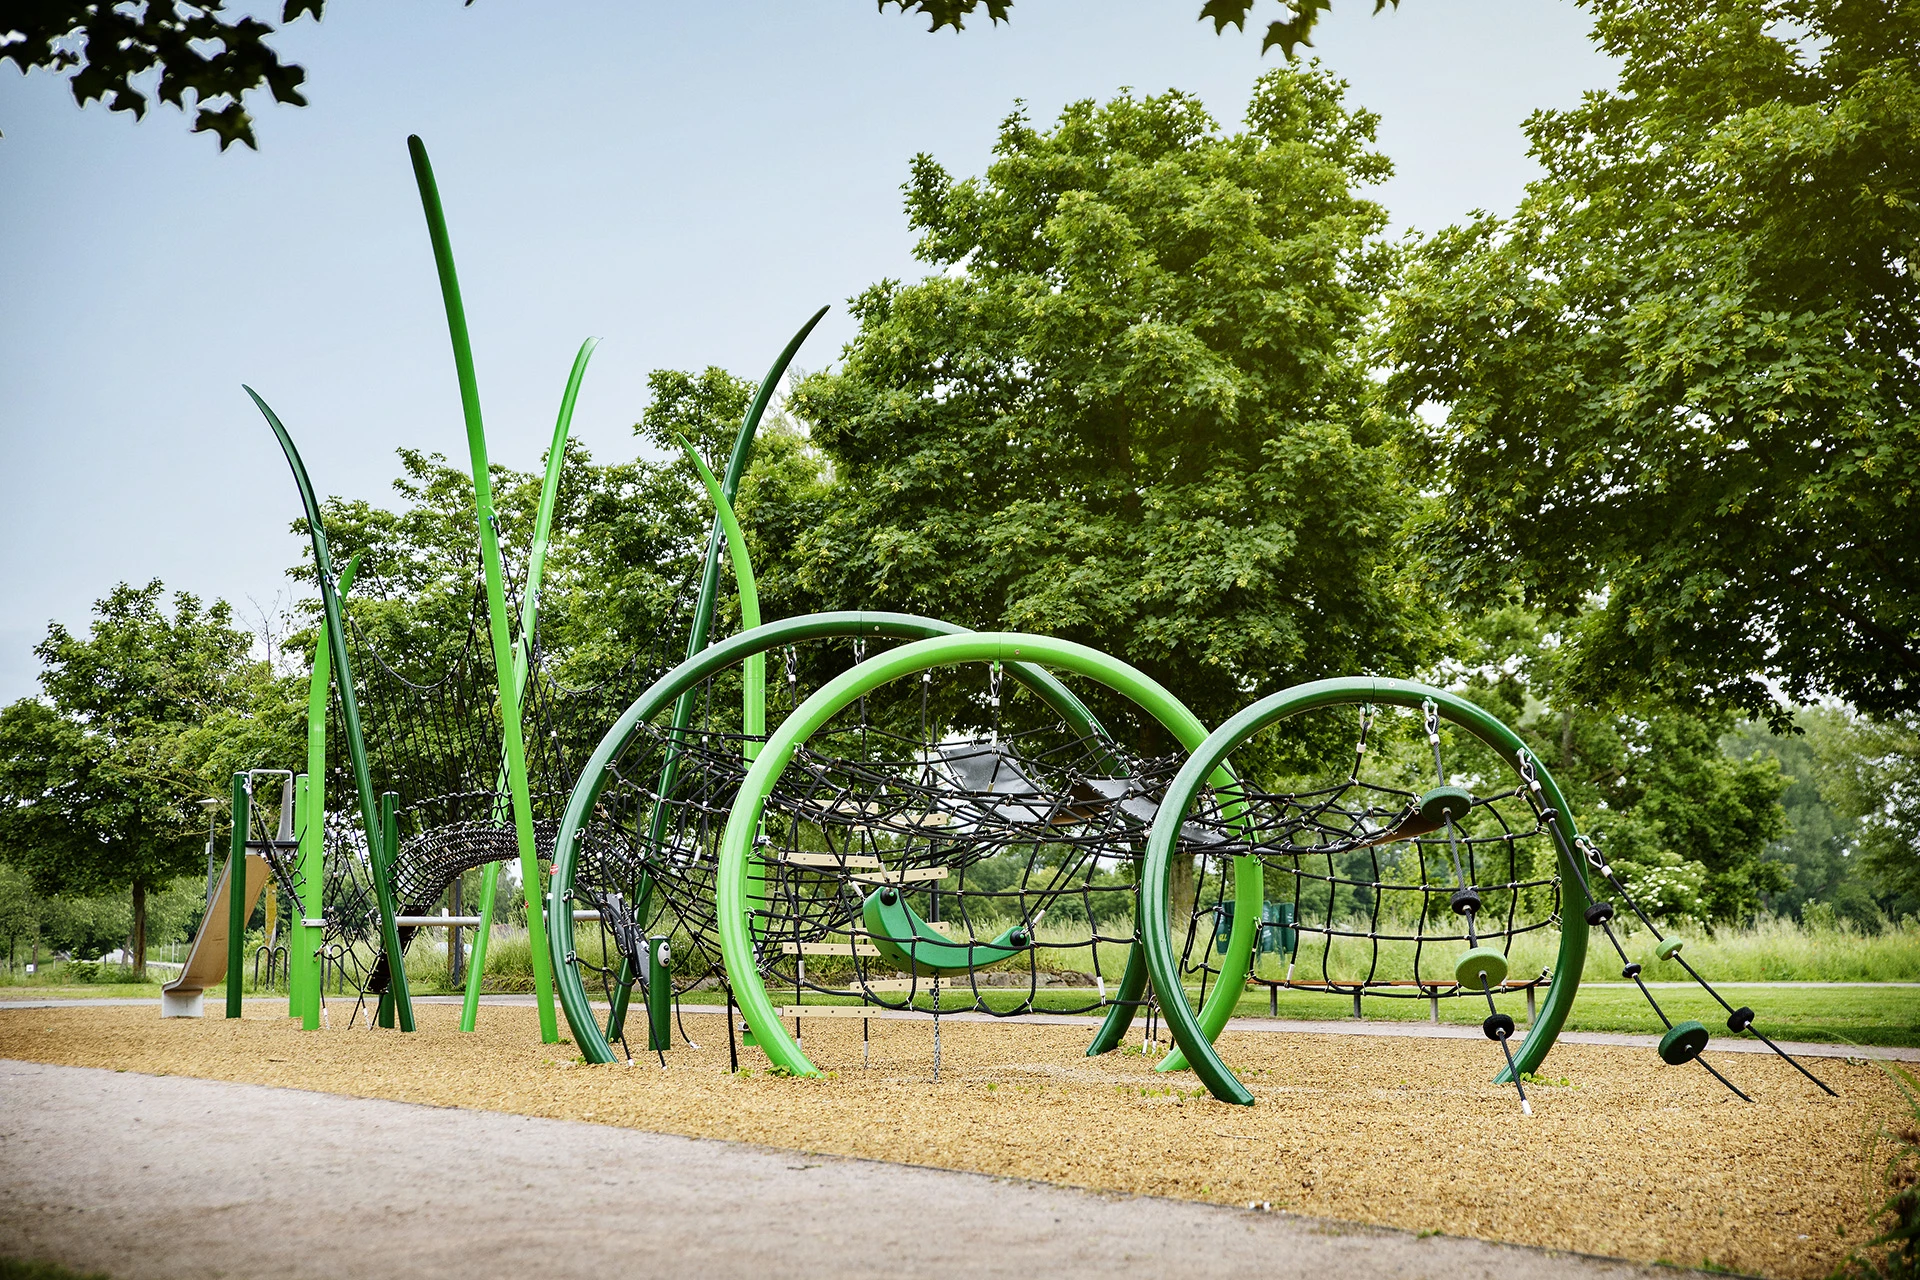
pixel 992 823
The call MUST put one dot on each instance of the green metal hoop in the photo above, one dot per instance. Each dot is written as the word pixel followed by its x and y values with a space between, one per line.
pixel 1195 1033
pixel 730 885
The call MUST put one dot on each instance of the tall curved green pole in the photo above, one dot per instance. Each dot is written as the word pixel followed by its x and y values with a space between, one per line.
pixel 753 689
pixel 497 623
pixel 665 691
pixel 303 963
pixel 736 847
pixel 350 715
pixel 703 610
pixel 523 662
pixel 1195 1033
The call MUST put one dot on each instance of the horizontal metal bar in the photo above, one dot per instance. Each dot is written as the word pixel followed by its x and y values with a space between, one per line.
pixel 832 861
pixel 912 875
pixel 848 1011
pixel 828 949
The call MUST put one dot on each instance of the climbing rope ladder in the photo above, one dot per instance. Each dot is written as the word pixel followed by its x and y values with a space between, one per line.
pixel 1414 843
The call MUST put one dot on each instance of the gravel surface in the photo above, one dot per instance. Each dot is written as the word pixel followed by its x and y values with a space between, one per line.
pixel 1628 1157
pixel 195 1177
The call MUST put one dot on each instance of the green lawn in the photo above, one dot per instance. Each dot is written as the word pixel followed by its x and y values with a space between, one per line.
pixel 1864 1013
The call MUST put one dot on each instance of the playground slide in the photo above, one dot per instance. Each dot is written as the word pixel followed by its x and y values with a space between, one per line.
pixel 206 965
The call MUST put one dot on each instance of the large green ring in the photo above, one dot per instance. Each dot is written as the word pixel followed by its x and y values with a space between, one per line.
pixel 730 888
pixel 1195 1033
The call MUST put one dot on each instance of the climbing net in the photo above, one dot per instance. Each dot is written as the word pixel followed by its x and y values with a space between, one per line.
pixel 1409 841
pixel 951 841
pixel 430 716
pixel 1406 850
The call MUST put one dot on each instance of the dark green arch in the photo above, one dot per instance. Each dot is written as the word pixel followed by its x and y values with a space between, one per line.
pixel 1195 1034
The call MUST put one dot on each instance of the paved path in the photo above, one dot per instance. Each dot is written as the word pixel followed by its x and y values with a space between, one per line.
pixel 1722 1043
pixel 144 1176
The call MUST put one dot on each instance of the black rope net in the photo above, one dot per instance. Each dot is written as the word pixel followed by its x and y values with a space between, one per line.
pixel 1390 844
pixel 949 842
pixel 428 692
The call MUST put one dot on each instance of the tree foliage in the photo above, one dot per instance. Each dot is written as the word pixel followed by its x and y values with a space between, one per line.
pixel 205 58
pixel 1688 824
pixel 1289 32
pixel 1684 373
pixel 1132 409
pixel 1871 771
pixel 142 716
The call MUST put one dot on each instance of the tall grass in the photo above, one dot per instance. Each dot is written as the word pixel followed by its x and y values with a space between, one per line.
pixel 1769 950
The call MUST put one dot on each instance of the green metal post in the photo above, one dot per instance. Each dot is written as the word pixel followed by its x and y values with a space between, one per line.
pixel 237 892
pixel 349 706
pixel 497 626
pixel 702 624
pixel 303 956
pixel 659 996
pixel 389 845
pixel 522 664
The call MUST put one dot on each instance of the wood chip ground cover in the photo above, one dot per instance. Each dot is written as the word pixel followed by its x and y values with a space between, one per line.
pixel 1630 1158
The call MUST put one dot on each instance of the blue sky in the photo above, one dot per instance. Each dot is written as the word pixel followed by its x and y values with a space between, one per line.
pixel 687 182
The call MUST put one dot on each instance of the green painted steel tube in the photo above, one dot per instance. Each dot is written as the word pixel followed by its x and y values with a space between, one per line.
pixel 384 853
pixel 666 692
pixel 303 963
pixel 659 996
pixel 703 619
pixel 349 709
pixel 523 661
pixel 1193 1035
pixel 753 685
pixel 237 892
pixel 730 887
pixel 497 625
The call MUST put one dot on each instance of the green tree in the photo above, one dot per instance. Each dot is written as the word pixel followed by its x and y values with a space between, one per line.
pixel 1688 824
pixel 1684 374
pixel 1871 772
pixel 1817 849
pixel 20 910
pixel 140 717
pixel 1131 408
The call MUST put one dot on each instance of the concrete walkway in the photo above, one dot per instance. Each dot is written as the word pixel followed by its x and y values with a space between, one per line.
pixel 144 1176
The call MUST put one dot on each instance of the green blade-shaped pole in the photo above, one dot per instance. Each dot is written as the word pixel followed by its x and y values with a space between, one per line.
pixel 497 623
pixel 702 625
pixel 350 717
pixel 753 691
pixel 522 666
pixel 304 963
